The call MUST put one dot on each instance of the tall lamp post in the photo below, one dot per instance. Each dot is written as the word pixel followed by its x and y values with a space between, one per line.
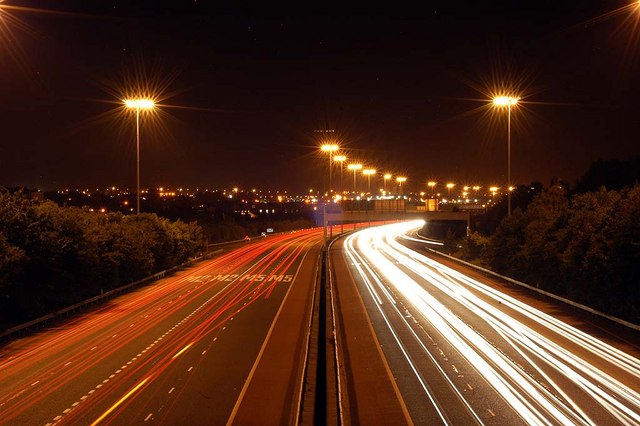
pixel 355 168
pixel 449 188
pixel 330 148
pixel 509 102
pixel 368 173
pixel 386 177
pixel 138 104
pixel 400 180
pixel 340 159
pixel 431 184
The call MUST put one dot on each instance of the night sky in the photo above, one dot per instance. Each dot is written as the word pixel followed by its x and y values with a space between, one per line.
pixel 245 88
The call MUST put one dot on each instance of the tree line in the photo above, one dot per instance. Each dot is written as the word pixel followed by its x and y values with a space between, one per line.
pixel 583 245
pixel 53 256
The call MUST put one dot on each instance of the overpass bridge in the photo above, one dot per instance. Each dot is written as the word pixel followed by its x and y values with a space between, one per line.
pixel 331 216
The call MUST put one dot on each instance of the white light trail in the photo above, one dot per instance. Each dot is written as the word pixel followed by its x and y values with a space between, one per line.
pixel 384 264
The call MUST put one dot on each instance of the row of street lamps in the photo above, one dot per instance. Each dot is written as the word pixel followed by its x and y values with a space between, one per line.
pixel 354 167
pixel 499 102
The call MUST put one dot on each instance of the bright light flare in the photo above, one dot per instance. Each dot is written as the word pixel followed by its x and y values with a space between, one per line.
pixel 329 147
pixel 501 101
pixel 401 179
pixel 139 103
pixel 387 176
pixel 450 185
pixel 340 158
pixel 354 166
pixel 369 172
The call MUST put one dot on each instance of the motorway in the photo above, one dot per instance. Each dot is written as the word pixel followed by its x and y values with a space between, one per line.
pixel 199 347
pixel 422 343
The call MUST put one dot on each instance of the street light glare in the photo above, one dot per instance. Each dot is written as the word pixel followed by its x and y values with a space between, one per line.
pixel 369 171
pixel 401 179
pixel 139 103
pixel 505 101
pixel 387 175
pixel 340 158
pixel 354 166
pixel 329 147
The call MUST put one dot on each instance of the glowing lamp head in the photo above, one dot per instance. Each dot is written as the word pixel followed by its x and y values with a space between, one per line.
pixel 340 158
pixel 329 147
pixel 501 101
pixel 401 179
pixel 139 103
pixel 387 176
pixel 431 184
pixel 450 185
pixel 354 166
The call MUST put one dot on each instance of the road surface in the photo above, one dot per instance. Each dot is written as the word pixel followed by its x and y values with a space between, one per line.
pixel 436 346
pixel 200 347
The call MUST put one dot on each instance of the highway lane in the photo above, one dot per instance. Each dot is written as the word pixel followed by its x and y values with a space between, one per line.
pixel 462 351
pixel 184 349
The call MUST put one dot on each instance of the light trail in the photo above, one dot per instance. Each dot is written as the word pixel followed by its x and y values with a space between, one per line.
pixel 547 371
pixel 188 311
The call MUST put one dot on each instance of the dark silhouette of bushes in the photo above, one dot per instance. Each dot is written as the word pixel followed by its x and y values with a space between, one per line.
pixel 52 256
pixel 585 247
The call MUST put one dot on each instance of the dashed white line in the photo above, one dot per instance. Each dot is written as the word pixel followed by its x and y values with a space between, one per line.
pixel 35 383
pixel 190 368
pixel 172 389
pixel 148 417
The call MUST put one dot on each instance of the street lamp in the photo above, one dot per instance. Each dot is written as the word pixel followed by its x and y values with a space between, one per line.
pixel 449 187
pixel 330 148
pixel 386 177
pixel 400 180
pixel 355 168
pixel 340 159
pixel 431 184
pixel 138 104
pixel 493 190
pixel 501 102
pixel 368 173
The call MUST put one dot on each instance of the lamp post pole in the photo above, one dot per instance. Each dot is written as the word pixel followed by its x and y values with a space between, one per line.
pixel 509 160
pixel 508 101
pixel 138 105
pixel 138 160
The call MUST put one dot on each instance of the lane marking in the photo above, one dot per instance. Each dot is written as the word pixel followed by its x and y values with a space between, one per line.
pixel 172 389
pixel 181 351
pixel 148 417
pixel 120 401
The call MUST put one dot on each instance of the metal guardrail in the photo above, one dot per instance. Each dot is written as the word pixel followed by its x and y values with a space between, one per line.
pixel 544 293
pixel 41 321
